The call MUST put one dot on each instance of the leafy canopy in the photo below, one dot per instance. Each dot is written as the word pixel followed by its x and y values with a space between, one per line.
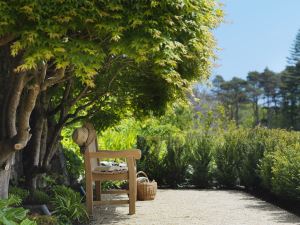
pixel 174 37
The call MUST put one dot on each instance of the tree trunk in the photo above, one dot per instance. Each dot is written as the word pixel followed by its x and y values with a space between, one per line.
pixel 4 181
pixel 256 113
pixel 42 147
pixel 16 126
pixel 32 152
pixel 18 96
pixel 236 115
pixel 17 168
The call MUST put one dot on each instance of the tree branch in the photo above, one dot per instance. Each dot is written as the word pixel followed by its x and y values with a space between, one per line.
pixel 6 39
pixel 76 119
pixel 64 105
pixel 58 76
pixel 79 96
pixel 13 104
pixel 67 91
pixel 42 76
pixel 78 109
pixel 23 135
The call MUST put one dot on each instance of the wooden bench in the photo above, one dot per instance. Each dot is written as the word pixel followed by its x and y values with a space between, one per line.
pixel 86 138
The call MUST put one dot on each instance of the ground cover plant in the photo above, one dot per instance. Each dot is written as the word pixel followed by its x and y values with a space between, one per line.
pixel 11 214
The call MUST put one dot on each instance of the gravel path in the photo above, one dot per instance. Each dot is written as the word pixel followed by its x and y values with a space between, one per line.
pixel 201 207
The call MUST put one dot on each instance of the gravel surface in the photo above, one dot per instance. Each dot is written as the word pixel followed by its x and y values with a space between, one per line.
pixel 201 207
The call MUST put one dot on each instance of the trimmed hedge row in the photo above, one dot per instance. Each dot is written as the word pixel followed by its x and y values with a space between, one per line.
pixel 255 158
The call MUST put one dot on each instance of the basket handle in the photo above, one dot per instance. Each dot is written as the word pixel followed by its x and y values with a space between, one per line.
pixel 143 173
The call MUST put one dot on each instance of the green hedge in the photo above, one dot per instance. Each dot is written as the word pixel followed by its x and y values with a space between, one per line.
pixel 201 148
pixel 153 153
pixel 286 172
pixel 176 161
pixel 259 158
pixel 228 158
pixel 267 159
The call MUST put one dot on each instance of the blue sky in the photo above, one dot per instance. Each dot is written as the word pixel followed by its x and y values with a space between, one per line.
pixel 256 34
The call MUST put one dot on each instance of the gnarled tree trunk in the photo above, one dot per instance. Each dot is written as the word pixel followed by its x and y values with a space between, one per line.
pixel 18 113
pixel 18 96
pixel 47 123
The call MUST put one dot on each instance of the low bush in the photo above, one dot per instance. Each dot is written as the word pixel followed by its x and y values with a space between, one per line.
pixel 68 205
pixel 176 161
pixel 286 172
pixel 228 157
pixel 278 140
pixel 201 148
pixel 19 192
pixel 39 197
pixel 153 152
pixel 45 220
pixel 10 214
pixel 252 152
pixel 106 185
pixel 74 164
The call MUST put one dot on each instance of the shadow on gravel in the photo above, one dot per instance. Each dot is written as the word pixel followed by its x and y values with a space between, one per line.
pixel 278 215
pixel 109 214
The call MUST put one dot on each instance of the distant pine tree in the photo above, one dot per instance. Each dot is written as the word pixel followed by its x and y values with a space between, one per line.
pixel 295 51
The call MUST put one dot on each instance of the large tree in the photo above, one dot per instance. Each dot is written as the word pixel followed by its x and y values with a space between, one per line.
pixel 294 57
pixel 269 82
pixel 66 60
pixel 232 94
pixel 290 96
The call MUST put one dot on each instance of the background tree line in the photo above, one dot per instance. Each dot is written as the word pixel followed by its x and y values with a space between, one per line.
pixel 272 98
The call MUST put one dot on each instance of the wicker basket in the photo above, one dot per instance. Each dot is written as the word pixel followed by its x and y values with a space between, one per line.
pixel 146 190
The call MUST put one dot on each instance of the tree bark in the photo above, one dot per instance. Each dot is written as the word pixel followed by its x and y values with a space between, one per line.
pixel 32 151
pixel 5 39
pixel 16 125
pixel 23 135
pixel 4 181
pixel 13 104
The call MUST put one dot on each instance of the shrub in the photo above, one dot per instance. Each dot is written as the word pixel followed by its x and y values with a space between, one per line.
pixel 45 220
pixel 276 141
pixel 286 172
pixel 120 137
pixel 153 152
pixel 68 206
pixel 106 185
pixel 39 197
pixel 74 164
pixel 201 156
pixel 11 215
pixel 228 157
pixel 176 161
pixel 19 192
pixel 253 151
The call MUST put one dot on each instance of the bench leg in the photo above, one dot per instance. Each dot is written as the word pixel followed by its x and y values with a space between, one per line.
pixel 132 199
pixel 89 197
pixel 98 190
pixel 132 186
